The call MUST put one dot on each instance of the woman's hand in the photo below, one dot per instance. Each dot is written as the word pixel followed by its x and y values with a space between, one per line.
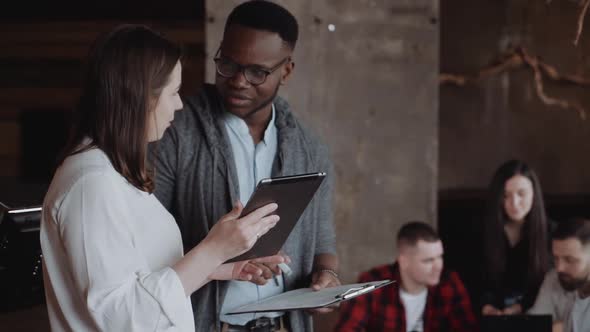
pixel 514 309
pixel 232 236
pixel 247 270
pixel 490 310
pixel 229 237
pixel 557 327
pixel 269 269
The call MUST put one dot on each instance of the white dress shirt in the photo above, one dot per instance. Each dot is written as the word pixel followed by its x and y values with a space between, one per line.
pixel 253 163
pixel 107 250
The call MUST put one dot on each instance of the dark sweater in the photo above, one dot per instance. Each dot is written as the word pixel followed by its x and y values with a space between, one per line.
pixel 197 181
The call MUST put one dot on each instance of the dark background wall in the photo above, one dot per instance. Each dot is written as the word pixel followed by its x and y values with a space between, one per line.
pixel 42 52
pixel 485 124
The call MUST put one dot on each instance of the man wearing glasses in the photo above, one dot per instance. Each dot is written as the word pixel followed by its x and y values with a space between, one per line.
pixel 229 137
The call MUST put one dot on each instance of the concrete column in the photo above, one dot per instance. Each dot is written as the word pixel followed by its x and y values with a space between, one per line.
pixel 366 80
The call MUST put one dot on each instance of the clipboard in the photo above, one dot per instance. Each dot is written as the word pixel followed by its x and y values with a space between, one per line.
pixel 307 298
pixel 292 193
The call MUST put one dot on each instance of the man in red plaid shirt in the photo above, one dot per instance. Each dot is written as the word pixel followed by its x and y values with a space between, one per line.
pixel 424 298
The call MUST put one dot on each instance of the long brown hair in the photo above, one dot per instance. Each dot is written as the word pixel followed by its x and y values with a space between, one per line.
pixel 127 70
pixel 535 229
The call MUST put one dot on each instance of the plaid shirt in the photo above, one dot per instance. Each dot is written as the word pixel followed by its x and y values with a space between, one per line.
pixel 447 306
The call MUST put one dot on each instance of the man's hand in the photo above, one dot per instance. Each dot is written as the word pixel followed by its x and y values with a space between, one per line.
pixel 323 279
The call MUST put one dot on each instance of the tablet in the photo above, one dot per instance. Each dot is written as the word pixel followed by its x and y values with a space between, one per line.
pixel 292 194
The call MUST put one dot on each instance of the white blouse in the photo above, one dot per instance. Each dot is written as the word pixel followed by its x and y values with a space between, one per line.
pixel 107 250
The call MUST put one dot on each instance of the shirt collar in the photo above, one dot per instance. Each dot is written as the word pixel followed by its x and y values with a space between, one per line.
pixel 239 126
pixel 271 129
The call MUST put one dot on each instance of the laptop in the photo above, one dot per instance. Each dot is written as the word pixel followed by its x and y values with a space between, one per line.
pixel 517 323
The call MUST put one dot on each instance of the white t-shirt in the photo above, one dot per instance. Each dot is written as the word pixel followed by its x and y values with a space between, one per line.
pixel 107 250
pixel 564 306
pixel 580 315
pixel 414 307
pixel 553 299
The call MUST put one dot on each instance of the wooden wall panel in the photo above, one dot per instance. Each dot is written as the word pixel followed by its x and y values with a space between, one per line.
pixel 42 63
pixel 42 67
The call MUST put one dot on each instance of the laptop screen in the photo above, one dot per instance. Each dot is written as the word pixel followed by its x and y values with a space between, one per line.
pixel 516 323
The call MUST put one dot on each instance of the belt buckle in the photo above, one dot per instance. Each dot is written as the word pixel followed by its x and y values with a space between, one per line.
pixel 262 322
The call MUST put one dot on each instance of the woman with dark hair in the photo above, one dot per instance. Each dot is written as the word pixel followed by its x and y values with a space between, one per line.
pixel 113 255
pixel 516 255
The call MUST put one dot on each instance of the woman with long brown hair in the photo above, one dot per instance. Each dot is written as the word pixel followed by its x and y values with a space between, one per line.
pixel 516 247
pixel 113 256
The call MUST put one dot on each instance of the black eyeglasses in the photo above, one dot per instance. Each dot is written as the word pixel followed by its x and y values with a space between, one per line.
pixel 254 74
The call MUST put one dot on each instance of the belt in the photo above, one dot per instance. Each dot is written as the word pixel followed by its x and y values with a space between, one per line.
pixel 262 324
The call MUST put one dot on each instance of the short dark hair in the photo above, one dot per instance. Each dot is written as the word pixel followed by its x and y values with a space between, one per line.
pixel 127 70
pixel 414 231
pixel 578 228
pixel 268 16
